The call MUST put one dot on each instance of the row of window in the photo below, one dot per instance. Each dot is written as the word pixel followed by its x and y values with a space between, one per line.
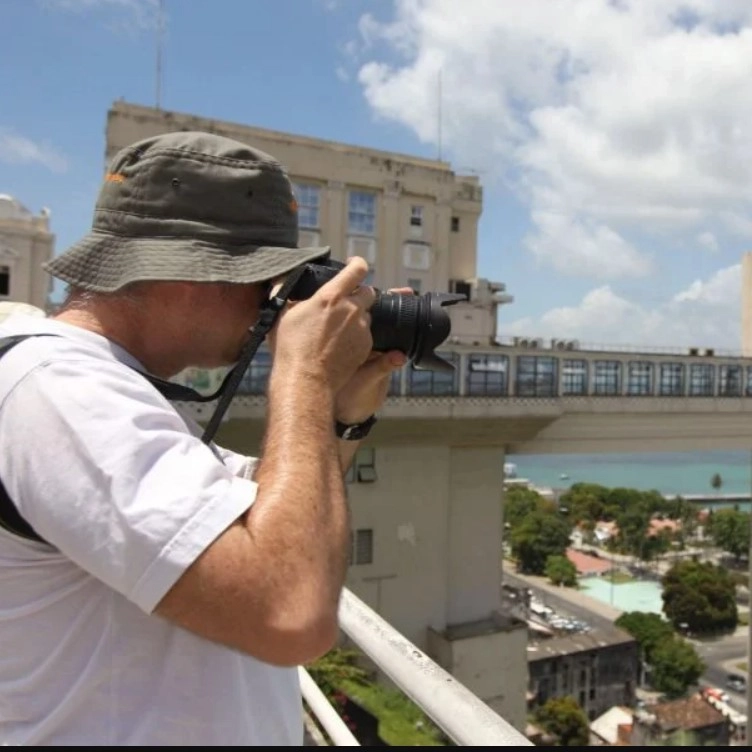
pixel 361 210
pixel 547 376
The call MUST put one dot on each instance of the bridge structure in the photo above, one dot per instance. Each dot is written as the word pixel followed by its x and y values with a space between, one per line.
pixel 426 486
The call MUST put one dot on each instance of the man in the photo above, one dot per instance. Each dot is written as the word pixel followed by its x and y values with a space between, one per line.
pixel 179 584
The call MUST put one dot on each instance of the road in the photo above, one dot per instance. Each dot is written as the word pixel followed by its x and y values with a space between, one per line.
pixel 720 654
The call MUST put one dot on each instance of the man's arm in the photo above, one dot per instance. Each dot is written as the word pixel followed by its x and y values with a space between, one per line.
pixel 270 584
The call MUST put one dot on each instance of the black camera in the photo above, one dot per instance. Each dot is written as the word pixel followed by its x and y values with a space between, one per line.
pixel 412 324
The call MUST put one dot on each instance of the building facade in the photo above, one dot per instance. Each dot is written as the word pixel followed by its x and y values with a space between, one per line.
pixel 599 669
pixel 25 244
pixel 426 510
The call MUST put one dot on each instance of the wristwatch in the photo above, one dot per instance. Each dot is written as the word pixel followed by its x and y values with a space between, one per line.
pixel 354 431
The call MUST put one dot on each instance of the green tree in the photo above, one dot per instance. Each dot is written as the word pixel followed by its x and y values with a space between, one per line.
pixel 518 503
pixel 537 537
pixel 561 571
pixel 564 719
pixel 700 595
pixel 716 482
pixel 335 668
pixel 584 502
pixel 675 666
pixel 647 629
pixel 634 523
pixel 729 529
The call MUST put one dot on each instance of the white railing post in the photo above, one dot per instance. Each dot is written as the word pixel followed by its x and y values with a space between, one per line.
pixel 463 716
pixel 325 714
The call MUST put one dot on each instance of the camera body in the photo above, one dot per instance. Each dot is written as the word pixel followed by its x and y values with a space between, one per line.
pixel 412 324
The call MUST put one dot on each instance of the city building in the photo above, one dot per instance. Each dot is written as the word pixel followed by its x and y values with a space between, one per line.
pixel 25 244
pixel 599 668
pixel 690 721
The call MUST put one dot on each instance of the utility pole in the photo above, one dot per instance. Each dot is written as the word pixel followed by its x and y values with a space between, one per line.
pixel 439 119
pixel 160 34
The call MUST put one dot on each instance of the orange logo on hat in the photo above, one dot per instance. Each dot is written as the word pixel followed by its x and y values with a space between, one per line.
pixel 294 206
pixel 114 177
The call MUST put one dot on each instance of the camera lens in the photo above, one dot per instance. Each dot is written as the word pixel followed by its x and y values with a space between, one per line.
pixel 394 322
pixel 414 325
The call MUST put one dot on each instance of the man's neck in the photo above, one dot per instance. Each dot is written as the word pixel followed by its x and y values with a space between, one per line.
pixel 126 326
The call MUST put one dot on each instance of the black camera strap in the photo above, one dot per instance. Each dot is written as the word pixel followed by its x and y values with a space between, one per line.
pixel 268 315
pixel 11 519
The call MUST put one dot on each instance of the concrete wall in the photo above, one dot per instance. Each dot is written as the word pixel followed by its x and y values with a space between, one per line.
pixel 407 508
pixel 493 665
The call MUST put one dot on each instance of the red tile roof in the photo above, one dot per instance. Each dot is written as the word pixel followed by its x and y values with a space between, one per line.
pixel 587 564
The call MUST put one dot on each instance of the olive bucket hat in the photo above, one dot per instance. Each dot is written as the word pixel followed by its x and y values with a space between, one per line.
pixel 188 206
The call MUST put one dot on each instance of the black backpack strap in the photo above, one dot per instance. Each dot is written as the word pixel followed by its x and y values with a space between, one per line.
pixel 10 519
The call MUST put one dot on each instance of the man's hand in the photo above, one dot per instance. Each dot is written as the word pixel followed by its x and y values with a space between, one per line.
pixel 366 390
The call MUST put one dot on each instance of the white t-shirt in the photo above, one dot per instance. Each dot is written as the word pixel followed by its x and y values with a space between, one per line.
pixel 106 470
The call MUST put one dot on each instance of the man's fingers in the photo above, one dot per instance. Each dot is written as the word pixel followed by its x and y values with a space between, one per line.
pixel 348 279
pixel 382 365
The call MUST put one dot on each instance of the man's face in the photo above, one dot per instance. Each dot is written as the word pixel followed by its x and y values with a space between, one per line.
pixel 223 317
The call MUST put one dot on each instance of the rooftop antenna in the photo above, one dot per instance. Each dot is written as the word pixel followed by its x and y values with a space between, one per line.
pixel 160 32
pixel 439 118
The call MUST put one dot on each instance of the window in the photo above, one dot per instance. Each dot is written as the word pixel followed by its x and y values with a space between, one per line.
pixel 361 546
pixel 395 384
pixel 361 215
pixel 672 380
pixel 363 467
pixel 455 224
pixel 749 381
pixel 701 380
pixel 307 196
pixel 434 383
pixel 255 379
pixel 574 377
pixel 536 376
pixel 487 375
pixel 4 280
pixel 607 377
pixel 416 216
pixel 730 381
pixel 417 256
pixel 414 284
pixel 639 378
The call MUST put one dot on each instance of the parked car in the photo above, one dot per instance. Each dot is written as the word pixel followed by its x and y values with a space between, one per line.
pixel 736 682
pixel 716 694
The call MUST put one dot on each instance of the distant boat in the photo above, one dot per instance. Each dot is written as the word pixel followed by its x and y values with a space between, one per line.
pixel 563 476
pixel 510 470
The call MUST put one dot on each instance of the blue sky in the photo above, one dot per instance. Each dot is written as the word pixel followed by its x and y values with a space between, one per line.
pixel 612 138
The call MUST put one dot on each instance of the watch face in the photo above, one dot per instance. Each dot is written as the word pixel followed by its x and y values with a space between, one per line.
pixel 355 431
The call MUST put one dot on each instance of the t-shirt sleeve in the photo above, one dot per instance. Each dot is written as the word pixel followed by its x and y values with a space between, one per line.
pixel 105 470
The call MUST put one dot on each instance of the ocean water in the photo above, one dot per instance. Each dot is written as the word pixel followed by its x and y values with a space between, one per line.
pixel 668 473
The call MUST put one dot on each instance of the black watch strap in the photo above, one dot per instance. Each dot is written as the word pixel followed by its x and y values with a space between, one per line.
pixel 354 431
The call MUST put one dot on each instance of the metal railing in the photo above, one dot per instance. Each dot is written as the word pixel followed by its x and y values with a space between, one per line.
pixel 460 714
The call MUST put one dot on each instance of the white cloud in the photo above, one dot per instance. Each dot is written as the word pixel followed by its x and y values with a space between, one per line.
pixel 614 118
pixel 584 248
pixel 709 241
pixel 705 314
pixel 17 149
